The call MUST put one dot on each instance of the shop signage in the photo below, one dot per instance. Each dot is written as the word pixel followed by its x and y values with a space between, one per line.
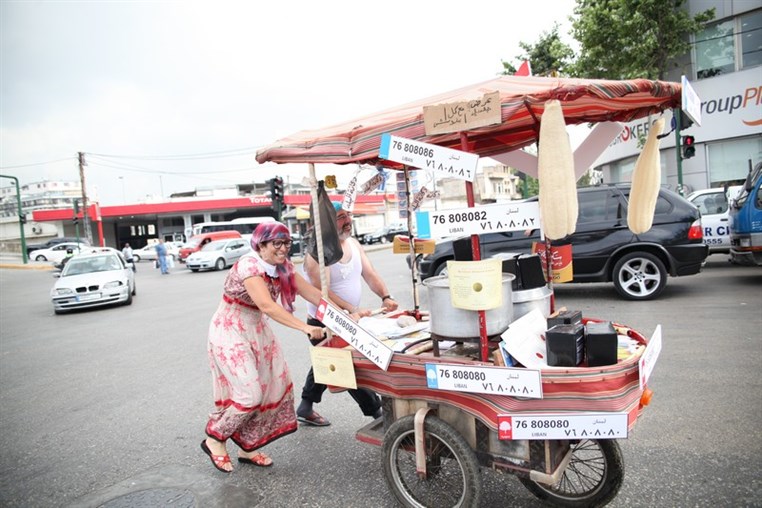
pixel 441 160
pixel 479 220
pixel 359 338
pixel 463 115
pixel 563 426
pixel 496 380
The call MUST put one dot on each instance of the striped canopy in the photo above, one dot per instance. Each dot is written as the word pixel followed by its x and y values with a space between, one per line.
pixel 522 101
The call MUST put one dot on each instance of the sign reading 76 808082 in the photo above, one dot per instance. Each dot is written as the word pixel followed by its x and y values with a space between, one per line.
pixel 446 161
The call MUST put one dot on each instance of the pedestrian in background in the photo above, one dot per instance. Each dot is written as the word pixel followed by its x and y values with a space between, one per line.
pixel 161 257
pixel 253 391
pixel 127 252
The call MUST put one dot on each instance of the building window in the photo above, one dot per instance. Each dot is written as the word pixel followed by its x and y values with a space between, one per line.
pixel 715 50
pixel 728 161
pixel 751 39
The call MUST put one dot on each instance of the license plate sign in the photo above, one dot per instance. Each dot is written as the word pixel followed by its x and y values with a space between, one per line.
pixel 563 426
pixel 88 297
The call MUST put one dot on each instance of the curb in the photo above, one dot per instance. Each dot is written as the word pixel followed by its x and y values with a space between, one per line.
pixel 16 266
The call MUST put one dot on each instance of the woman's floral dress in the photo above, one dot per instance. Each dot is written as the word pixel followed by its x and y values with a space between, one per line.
pixel 253 391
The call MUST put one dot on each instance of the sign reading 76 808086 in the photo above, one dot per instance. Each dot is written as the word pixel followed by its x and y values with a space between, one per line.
pixel 445 161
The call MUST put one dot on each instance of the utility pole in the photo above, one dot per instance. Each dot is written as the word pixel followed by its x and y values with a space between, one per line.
pixel 85 218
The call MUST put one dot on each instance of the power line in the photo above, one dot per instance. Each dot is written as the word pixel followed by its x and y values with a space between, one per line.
pixel 206 155
pixel 37 163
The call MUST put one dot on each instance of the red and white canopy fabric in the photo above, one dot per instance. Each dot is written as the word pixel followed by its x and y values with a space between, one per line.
pixel 522 102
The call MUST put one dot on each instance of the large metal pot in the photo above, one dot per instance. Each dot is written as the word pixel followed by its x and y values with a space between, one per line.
pixel 526 300
pixel 447 321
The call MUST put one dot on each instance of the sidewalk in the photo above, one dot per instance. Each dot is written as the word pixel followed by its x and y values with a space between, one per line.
pixel 14 261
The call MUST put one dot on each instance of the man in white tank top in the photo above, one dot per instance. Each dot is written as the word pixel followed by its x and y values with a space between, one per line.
pixel 344 279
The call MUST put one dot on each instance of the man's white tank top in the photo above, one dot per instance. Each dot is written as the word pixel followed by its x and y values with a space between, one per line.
pixel 345 279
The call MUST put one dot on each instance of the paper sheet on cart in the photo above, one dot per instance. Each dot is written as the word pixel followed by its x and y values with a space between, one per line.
pixel 525 340
pixel 333 367
pixel 476 285
pixel 388 327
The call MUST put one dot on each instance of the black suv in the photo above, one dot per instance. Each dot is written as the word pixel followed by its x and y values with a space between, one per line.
pixel 604 249
pixel 385 234
pixel 53 242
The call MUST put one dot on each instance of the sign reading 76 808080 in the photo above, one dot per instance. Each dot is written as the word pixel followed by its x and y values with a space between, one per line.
pixel 445 161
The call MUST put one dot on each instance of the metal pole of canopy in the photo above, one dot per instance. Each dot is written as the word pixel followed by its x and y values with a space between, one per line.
pixel 476 256
pixel 413 271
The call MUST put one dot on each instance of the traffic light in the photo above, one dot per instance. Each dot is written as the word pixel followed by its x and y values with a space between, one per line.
pixel 276 188
pixel 689 147
pixel 22 218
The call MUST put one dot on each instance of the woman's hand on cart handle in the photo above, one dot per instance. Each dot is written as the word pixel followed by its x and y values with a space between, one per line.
pixel 315 332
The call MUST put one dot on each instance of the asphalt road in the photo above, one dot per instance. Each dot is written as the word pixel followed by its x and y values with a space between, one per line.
pixel 107 407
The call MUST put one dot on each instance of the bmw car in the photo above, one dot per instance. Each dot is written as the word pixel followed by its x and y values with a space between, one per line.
pixel 92 280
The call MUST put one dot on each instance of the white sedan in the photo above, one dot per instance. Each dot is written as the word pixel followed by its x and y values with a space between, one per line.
pixel 715 217
pixel 218 254
pixel 148 253
pixel 93 279
pixel 57 252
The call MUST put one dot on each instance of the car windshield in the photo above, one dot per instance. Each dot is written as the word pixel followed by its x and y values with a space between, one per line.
pixel 211 246
pixel 91 264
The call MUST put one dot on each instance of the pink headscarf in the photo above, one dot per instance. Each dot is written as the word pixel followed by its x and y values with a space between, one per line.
pixel 267 232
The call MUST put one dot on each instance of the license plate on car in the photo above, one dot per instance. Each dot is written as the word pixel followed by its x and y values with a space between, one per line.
pixel 87 297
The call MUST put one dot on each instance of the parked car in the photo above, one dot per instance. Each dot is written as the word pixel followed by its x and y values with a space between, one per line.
pixel 93 279
pixel 218 254
pixel 604 249
pixel 148 253
pixel 385 234
pixel 53 242
pixel 57 252
pixel 196 242
pixel 715 217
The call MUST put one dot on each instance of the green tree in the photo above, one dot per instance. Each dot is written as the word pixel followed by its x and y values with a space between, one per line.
pixel 626 39
pixel 549 56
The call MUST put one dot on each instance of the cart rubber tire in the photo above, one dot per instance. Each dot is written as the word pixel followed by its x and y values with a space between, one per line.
pixel 453 471
pixel 219 264
pixel 639 276
pixel 592 478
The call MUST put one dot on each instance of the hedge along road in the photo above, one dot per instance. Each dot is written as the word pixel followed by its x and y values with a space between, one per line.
pixel 107 407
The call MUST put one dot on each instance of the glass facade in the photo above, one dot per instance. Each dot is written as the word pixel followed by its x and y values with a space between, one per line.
pixel 729 46
pixel 728 161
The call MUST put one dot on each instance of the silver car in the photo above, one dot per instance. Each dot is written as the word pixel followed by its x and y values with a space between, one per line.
pixel 92 280
pixel 218 254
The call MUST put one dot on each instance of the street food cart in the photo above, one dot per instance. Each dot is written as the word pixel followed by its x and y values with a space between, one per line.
pixel 449 413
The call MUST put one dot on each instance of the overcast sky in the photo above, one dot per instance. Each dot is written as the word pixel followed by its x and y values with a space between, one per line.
pixel 135 84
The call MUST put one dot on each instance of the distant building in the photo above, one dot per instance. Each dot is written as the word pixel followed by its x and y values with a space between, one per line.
pixel 724 67
pixel 44 195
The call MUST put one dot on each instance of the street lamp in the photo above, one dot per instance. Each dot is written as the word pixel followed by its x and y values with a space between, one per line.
pixel 20 216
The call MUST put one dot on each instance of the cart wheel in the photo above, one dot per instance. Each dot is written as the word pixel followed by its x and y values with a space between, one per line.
pixel 592 478
pixel 452 478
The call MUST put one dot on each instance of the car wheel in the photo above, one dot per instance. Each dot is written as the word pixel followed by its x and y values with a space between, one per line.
pixel 384 239
pixel 136 258
pixel 128 301
pixel 40 258
pixel 639 276
pixel 441 269
pixel 220 264
pixel 134 289
pixel 59 312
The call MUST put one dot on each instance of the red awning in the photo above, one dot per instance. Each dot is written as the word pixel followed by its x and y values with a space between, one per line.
pixel 522 102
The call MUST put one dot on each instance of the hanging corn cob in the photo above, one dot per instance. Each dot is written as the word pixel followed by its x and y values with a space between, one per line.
pixel 555 171
pixel 646 179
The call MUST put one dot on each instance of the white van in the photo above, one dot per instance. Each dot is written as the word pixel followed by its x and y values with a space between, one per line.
pixel 713 205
